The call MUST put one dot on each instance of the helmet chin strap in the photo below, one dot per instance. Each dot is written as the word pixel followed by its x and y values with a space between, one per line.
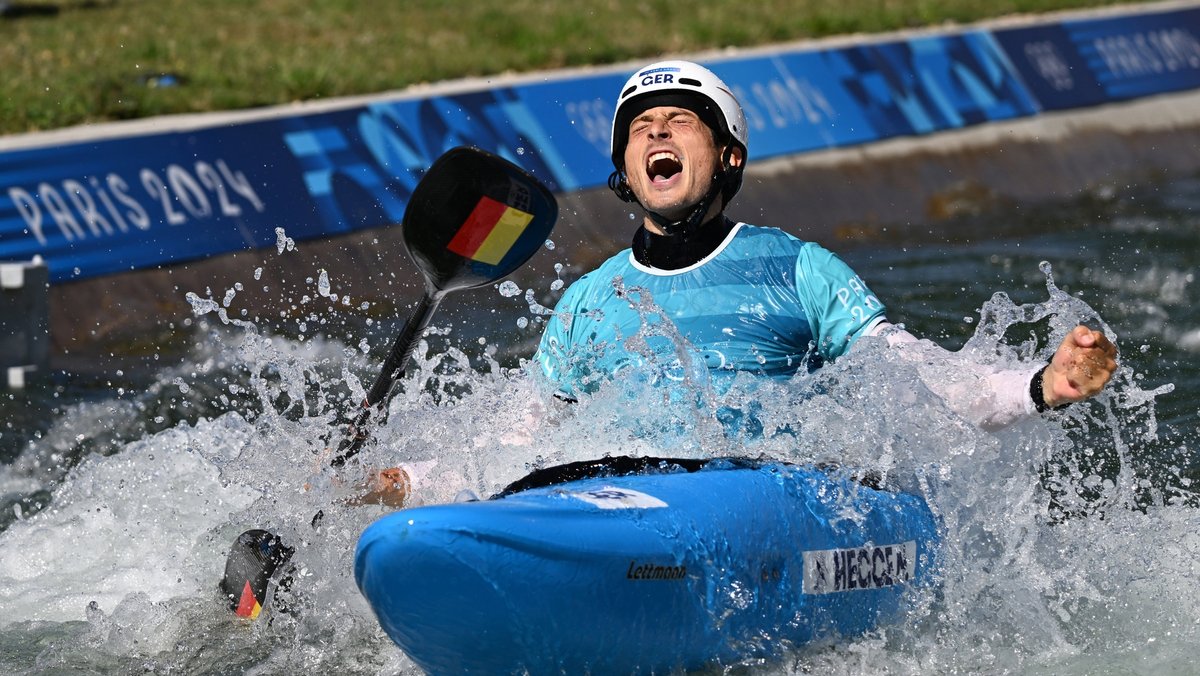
pixel 695 217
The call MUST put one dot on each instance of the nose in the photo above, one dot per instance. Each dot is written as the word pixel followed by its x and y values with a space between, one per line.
pixel 658 128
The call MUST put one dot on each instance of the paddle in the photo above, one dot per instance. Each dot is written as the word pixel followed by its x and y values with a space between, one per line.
pixel 472 220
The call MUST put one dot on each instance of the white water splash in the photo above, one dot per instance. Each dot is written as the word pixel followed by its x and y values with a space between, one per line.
pixel 1050 555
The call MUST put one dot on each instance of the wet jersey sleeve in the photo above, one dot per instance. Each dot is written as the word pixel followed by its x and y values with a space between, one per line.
pixel 841 307
pixel 552 357
pixel 566 353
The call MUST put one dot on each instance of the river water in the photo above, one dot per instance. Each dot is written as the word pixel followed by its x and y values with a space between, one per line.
pixel 1072 542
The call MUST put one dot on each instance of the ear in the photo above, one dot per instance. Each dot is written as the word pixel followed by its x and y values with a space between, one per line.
pixel 620 185
pixel 736 156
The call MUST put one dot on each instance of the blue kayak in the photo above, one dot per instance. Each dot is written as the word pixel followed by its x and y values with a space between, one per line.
pixel 646 573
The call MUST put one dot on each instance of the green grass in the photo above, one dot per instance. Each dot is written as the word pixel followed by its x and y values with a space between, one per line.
pixel 77 61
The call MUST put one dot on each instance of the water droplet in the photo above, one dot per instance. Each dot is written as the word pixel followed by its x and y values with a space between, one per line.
pixel 200 306
pixel 283 242
pixel 508 289
pixel 323 283
pixel 550 245
pixel 522 322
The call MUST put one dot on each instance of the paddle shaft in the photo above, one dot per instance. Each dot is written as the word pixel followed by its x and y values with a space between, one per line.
pixel 393 369
pixel 402 348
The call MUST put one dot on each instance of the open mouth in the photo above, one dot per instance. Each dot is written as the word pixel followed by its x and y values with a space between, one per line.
pixel 663 165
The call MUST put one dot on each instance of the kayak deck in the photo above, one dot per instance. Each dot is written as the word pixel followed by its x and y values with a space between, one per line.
pixel 645 573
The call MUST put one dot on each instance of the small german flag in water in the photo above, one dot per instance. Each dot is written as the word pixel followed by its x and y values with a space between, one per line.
pixel 490 231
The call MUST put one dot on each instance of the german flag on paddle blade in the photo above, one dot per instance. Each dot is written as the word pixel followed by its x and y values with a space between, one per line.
pixel 489 231
pixel 248 606
pixel 253 560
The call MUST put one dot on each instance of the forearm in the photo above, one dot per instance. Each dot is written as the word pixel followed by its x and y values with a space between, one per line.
pixel 991 398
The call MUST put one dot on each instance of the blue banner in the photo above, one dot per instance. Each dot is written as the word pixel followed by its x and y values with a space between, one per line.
pixel 1082 63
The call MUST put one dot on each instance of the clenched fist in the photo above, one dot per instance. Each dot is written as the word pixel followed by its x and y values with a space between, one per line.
pixel 1081 367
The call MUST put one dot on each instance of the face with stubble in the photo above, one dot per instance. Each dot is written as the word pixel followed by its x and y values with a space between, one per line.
pixel 670 160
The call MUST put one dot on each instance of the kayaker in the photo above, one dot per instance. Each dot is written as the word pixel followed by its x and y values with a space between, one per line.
pixel 747 298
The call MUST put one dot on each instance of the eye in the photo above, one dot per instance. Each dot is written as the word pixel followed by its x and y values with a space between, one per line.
pixel 683 120
pixel 638 126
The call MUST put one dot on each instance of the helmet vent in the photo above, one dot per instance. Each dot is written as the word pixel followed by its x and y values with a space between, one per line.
pixel 690 81
pixel 629 91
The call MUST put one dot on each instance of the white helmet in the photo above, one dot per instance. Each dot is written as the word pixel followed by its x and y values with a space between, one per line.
pixel 659 84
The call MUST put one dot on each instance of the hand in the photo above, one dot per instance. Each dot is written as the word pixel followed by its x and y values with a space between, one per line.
pixel 1081 367
pixel 389 487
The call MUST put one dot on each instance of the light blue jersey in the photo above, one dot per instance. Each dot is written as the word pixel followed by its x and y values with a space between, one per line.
pixel 764 302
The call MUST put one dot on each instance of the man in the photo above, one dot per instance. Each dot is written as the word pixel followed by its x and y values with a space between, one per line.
pixel 748 299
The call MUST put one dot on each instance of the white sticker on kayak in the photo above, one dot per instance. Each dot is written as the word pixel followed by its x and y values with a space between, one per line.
pixel 611 497
pixel 869 567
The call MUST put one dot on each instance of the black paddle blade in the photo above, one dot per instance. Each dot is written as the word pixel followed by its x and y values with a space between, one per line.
pixel 474 218
pixel 252 562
